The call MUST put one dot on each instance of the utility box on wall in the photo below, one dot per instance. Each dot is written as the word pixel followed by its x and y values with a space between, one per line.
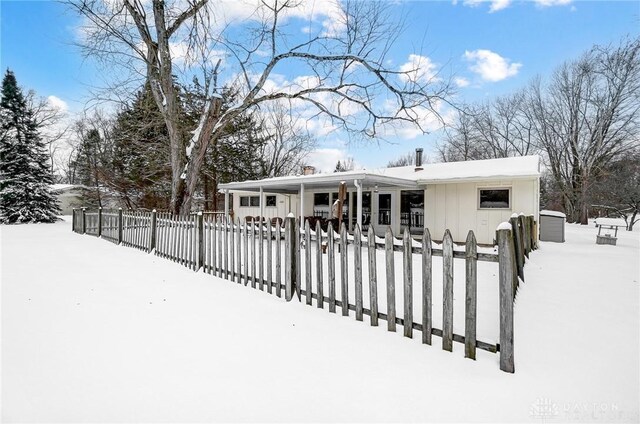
pixel 552 226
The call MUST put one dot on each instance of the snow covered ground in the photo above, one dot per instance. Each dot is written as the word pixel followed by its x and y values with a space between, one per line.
pixel 96 332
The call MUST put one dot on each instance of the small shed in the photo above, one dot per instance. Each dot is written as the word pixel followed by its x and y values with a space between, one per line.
pixel 552 226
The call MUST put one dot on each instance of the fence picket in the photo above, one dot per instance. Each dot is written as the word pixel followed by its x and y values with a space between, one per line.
pixel 227 245
pixel 269 258
pixel 344 271
pixel 278 260
pixel 190 243
pixel 332 268
pixel 427 278
pixel 373 280
pixel 297 225
pixel 391 280
pixel 307 261
pixel 238 236
pixel 517 243
pixel 261 255
pixel 246 253
pixel 174 238
pixel 407 272
pixel 357 254
pixel 253 254
pixel 471 277
pixel 447 295
pixel 220 247
pixel 319 265
pixel 289 257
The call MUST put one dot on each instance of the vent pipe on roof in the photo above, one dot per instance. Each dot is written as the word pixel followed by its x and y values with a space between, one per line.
pixel 419 159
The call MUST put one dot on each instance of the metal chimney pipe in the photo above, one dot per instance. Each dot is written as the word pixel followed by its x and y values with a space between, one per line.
pixel 419 159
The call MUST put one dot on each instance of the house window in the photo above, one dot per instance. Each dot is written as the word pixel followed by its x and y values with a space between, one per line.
pixel 270 200
pixel 494 198
pixel 249 201
pixel 321 199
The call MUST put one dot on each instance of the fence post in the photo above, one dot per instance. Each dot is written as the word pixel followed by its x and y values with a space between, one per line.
pixel 290 272
pixel 154 226
pixel 505 260
pixel 84 220
pixel 517 243
pixel 119 225
pixel 100 222
pixel 73 220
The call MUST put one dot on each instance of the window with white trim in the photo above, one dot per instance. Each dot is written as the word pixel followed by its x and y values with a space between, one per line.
pixel 246 201
pixel 494 198
pixel 270 201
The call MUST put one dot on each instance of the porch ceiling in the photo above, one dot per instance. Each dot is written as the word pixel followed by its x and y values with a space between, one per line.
pixel 291 185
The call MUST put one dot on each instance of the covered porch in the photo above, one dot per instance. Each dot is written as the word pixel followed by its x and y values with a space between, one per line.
pixel 372 199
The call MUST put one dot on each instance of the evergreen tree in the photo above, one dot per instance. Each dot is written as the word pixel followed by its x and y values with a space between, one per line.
pixel 25 176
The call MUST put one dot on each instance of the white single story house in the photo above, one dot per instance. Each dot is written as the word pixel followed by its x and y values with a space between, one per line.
pixel 459 196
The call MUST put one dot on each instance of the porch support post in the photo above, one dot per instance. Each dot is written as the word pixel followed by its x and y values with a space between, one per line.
pixel 301 204
pixel 226 205
pixel 261 204
pixel 359 201
pixel 350 211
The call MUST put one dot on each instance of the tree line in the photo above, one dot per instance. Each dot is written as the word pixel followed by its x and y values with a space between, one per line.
pixel 126 159
pixel 585 123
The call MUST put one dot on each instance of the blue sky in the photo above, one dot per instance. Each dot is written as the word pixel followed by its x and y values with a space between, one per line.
pixel 493 52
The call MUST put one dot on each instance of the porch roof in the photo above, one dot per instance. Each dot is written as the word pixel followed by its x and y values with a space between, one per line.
pixel 406 177
pixel 291 184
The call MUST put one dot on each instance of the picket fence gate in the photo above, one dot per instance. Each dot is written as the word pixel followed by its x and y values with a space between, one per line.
pixel 250 253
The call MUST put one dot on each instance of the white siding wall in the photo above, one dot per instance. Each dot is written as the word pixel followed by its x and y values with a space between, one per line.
pixel 284 205
pixel 454 206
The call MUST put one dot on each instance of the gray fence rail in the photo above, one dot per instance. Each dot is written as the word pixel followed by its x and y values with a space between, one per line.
pixel 302 262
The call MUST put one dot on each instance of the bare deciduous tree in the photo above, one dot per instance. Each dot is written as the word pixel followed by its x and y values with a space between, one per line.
pixel 497 129
pixel 588 116
pixel 404 160
pixel 348 81
pixel 289 143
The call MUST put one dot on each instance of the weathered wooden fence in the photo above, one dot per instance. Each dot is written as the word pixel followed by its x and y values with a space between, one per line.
pixel 301 262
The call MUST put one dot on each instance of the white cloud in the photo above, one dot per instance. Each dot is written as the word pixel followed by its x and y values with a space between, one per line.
pixel 325 159
pixel 58 103
pixel 549 3
pixel 418 69
pixel 461 82
pixel 490 65
pixel 325 12
pixel 494 5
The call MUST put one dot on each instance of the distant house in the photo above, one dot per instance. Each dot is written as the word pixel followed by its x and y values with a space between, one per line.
pixel 69 196
pixel 459 196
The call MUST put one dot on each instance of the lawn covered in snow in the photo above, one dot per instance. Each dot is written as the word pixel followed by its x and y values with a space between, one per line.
pixel 97 332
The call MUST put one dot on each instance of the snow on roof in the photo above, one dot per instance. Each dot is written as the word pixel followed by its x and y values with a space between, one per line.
pixel 552 213
pixel 522 166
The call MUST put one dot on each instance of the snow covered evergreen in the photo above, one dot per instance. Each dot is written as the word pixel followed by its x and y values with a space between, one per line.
pixel 25 177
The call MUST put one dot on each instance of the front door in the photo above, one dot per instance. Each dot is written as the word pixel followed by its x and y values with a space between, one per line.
pixel 384 211
pixel 412 210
